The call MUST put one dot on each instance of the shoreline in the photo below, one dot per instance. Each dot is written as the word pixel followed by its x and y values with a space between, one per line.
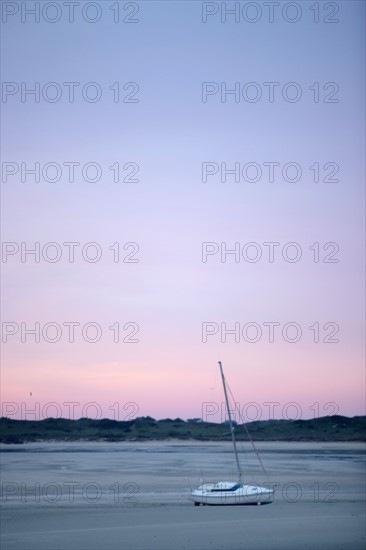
pixel 190 442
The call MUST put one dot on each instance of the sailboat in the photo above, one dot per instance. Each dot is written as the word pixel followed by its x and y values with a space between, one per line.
pixel 230 492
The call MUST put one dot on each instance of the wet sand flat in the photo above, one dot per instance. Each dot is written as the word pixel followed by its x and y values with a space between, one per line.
pixel 135 496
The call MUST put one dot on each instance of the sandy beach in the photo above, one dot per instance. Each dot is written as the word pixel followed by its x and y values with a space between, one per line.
pixel 135 496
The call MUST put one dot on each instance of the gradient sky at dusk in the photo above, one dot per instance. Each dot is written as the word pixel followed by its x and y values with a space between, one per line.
pixel 170 212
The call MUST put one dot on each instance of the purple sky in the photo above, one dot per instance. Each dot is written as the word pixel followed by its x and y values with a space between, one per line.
pixel 170 292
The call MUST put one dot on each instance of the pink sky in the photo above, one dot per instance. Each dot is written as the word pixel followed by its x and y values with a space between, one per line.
pixel 170 212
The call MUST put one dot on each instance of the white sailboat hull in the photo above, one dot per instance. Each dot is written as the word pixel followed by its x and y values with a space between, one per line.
pixel 243 494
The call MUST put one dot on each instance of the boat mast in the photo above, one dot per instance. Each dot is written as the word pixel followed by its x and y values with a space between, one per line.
pixel 230 421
